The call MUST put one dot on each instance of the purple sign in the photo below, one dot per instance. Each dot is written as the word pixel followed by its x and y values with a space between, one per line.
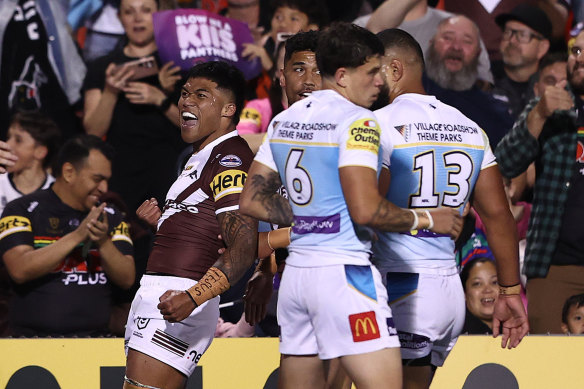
pixel 317 224
pixel 190 36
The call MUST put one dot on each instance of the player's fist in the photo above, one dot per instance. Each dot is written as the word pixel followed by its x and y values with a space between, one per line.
pixel 175 305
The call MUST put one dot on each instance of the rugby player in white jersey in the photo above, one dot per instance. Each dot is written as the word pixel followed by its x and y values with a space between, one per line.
pixel 437 158
pixel 324 149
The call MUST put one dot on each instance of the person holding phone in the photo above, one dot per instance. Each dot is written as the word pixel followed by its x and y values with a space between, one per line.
pixel 130 101
pixel 57 292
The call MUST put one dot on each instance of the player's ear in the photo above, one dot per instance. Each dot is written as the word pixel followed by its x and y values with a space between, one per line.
pixel 565 329
pixel 396 70
pixel 228 110
pixel 341 77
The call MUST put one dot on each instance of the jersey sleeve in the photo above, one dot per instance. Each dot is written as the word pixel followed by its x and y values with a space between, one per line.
pixel 15 227
pixel 229 175
pixel 359 139
pixel 120 232
pixel 488 156
pixel 264 154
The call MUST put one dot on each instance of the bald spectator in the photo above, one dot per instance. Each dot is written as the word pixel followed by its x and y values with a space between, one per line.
pixel 421 20
pixel 525 40
pixel 452 74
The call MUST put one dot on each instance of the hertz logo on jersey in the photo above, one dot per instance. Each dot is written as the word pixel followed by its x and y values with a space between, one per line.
pixel 228 182
pixel 11 224
pixel 364 135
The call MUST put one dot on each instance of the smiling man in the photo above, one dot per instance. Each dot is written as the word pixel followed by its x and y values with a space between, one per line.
pixel 175 311
pixel 61 288
pixel 549 133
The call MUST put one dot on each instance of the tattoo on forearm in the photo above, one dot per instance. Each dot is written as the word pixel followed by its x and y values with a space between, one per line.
pixel 265 191
pixel 389 217
pixel 240 235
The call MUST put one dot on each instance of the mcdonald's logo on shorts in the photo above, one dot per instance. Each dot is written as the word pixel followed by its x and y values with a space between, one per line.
pixel 364 326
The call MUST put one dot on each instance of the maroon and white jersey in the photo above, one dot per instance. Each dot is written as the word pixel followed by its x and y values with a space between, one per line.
pixel 186 242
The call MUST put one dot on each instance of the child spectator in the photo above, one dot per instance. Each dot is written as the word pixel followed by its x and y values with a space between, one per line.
pixel 573 315
pixel 34 138
pixel 289 17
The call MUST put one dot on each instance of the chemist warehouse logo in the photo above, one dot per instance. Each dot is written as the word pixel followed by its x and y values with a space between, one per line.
pixel 227 182
pixel 364 135
pixel 364 326
pixel 12 224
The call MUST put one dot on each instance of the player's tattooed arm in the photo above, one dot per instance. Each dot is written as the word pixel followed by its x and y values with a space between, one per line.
pixel 276 206
pixel 260 198
pixel 240 235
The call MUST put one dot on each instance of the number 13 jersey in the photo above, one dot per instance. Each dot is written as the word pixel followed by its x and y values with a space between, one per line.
pixel 435 157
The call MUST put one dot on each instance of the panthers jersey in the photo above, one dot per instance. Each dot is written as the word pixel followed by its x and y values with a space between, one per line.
pixel 307 144
pixel 435 158
pixel 74 298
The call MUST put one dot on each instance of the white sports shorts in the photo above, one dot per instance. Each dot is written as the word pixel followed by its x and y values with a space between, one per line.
pixel 334 311
pixel 179 345
pixel 429 312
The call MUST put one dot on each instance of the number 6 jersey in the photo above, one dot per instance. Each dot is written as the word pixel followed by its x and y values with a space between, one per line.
pixel 435 157
pixel 307 144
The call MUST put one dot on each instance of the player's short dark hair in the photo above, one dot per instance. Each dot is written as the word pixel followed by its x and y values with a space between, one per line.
pixel 465 273
pixel 302 41
pixel 345 45
pixel 574 301
pixel 42 129
pixel 76 151
pixel 398 38
pixel 227 77
pixel 551 58
pixel 315 10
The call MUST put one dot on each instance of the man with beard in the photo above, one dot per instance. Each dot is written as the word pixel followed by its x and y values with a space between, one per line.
pixel 549 132
pixel 451 75
pixel 525 40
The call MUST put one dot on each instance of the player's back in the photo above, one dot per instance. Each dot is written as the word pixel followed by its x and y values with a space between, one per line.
pixel 435 159
pixel 309 142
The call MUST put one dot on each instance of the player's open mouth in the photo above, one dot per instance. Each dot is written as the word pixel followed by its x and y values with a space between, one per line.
pixel 488 300
pixel 187 116
pixel 305 93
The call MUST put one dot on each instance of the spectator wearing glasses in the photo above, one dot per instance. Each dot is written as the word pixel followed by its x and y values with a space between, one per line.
pixel 525 40
pixel 549 133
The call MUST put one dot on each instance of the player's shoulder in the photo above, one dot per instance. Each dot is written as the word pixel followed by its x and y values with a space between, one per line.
pixel 232 152
pixel 31 203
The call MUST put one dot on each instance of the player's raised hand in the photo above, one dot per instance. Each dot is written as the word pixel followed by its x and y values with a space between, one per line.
pixel 149 212
pixel 510 319
pixel 446 221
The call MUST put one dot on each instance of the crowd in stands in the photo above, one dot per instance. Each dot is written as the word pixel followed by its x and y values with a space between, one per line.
pixel 513 67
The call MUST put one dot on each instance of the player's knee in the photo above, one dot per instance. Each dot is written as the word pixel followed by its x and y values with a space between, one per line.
pixel 133 384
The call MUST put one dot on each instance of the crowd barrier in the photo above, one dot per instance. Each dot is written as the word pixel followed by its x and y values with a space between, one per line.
pixel 540 362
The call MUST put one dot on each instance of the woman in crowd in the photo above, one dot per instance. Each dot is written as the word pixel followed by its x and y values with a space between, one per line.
pixel 138 116
pixel 479 280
